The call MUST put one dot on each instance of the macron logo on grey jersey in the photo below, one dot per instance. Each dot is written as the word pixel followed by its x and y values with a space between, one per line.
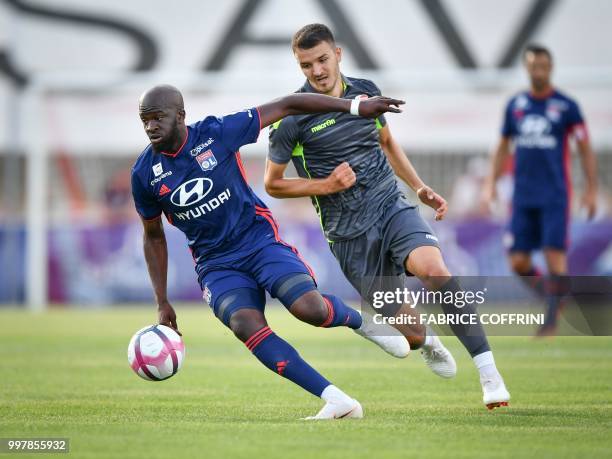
pixel 323 125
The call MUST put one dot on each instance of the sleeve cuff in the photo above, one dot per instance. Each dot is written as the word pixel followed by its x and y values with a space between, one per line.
pixel 278 160
pixel 149 219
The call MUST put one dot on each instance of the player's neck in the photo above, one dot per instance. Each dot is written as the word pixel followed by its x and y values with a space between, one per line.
pixel 337 90
pixel 180 140
pixel 178 143
pixel 542 93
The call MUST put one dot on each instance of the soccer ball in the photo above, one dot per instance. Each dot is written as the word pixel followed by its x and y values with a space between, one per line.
pixel 156 352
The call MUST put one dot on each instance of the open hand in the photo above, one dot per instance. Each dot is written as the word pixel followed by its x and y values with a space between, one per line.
pixel 487 198
pixel 373 107
pixel 433 200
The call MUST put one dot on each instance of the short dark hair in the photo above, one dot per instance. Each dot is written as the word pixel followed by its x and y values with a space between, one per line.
pixel 537 49
pixel 311 35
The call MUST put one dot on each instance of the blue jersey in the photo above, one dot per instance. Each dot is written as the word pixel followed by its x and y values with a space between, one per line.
pixel 540 129
pixel 202 190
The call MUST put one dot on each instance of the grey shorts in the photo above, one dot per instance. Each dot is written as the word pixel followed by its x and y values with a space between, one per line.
pixel 380 253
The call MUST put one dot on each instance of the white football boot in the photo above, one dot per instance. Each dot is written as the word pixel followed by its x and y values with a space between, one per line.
pixel 494 392
pixel 385 336
pixel 339 409
pixel 439 359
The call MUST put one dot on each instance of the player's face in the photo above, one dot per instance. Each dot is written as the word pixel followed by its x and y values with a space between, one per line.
pixel 161 126
pixel 321 66
pixel 539 68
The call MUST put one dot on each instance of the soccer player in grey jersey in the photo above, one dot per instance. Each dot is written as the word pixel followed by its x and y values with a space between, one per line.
pixel 347 165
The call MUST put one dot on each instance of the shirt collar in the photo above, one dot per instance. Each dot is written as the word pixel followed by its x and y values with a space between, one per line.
pixel 175 154
pixel 545 96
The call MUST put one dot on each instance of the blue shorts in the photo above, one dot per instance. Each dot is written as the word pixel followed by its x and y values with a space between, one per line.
pixel 250 278
pixel 532 228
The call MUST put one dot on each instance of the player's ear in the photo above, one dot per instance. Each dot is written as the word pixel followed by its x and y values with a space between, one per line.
pixel 338 53
pixel 180 115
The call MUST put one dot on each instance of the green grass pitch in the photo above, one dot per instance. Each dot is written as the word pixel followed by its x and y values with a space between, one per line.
pixel 64 373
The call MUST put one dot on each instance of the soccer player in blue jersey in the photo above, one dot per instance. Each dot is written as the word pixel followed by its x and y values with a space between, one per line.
pixel 348 166
pixel 539 123
pixel 194 176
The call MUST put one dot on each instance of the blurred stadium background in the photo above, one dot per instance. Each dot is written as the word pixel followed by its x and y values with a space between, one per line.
pixel 71 72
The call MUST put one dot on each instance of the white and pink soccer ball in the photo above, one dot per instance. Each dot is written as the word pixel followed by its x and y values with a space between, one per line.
pixel 156 352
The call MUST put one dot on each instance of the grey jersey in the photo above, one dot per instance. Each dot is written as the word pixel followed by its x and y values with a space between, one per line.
pixel 317 143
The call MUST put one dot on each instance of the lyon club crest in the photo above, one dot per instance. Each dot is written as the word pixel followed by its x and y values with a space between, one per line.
pixel 207 160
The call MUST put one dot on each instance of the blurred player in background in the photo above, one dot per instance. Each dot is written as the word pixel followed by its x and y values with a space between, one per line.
pixel 538 124
pixel 194 175
pixel 346 165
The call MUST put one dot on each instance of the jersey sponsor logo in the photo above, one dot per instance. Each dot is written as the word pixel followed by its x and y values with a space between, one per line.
pixel 432 237
pixel 534 125
pixel 205 208
pixel 158 169
pixel 191 192
pixel 521 103
pixel 553 114
pixel 534 132
pixel 197 150
pixel 161 177
pixel 207 160
pixel 554 109
pixel 557 104
pixel 323 125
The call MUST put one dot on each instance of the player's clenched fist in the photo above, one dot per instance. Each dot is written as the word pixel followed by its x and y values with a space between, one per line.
pixel 341 178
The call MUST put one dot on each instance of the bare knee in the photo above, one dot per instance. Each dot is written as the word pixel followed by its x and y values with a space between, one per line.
pixel 433 275
pixel 310 308
pixel 556 260
pixel 246 322
pixel 520 264
pixel 427 264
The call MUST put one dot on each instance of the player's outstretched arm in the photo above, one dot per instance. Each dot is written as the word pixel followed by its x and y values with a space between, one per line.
pixel 156 256
pixel 296 104
pixel 404 169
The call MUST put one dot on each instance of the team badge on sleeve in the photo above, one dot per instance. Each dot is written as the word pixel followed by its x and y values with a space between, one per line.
pixel 207 160
pixel 580 132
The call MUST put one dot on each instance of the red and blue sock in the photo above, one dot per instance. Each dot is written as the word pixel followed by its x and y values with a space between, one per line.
pixel 339 314
pixel 280 357
pixel 556 289
pixel 534 279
